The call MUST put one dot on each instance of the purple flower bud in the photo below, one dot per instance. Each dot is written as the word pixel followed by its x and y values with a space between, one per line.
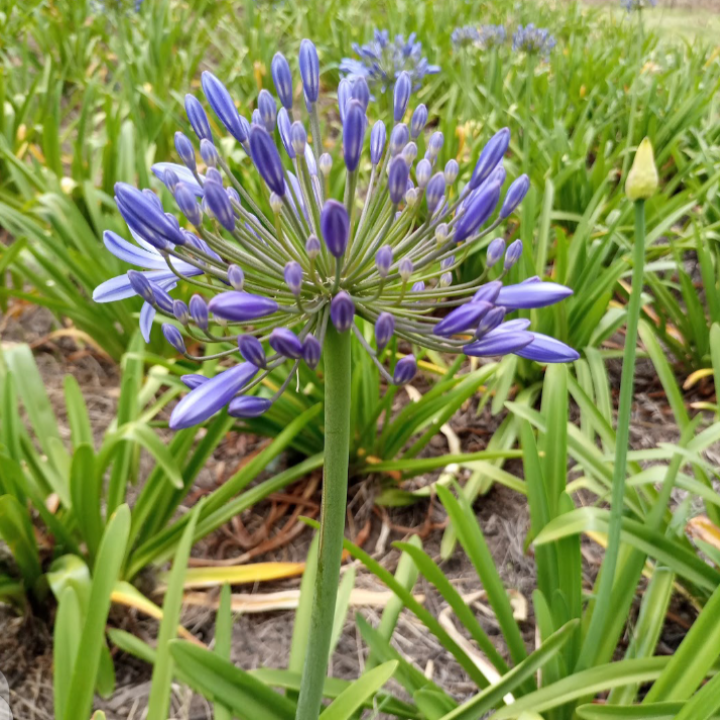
pixel 267 159
pixel 398 139
pixel 461 319
pixel 419 286
pixel 446 279
pixel 256 119
pixel 515 195
pixel 209 397
pixel 310 160
pixel 298 138
pixel 311 351
pixel 161 298
pixel 193 380
pixel 353 134
pixel 241 306
pixel 252 350
pixel 490 156
pixel 285 342
pixel 312 247
pixel 513 253
pixel 174 337
pixel 342 311
pixel 405 370
pixel 282 77
pixel 220 205
pixel 185 150
pixel 248 406
pixel 409 153
pixel 451 171
pixel 419 120
pixel 495 251
pixel 398 174
pixel 437 140
pixel 401 96
pixel 377 141
pixel 148 193
pixel 479 209
pixel 284 127
pixel 198 117
pixel 141 285
pixel 236 277
pixel 384 329
pixel 498 342
pixel 546 349
pixel 405 268
pixel 361 92
pixel 171 180
pixel 383 260
pixel 498 175
pixel 490 321
pixel 224 107
pixel 335 227
pixel 447 263
pixel 199 311
pixel 181 312
pixel 188 204
pixel 209 153
pixel 141 212
pixel 233 195
pixel 526 296
pixel 268 110
pixel 310 71
pixel 325 163
pixel 423 171
pixel 294 277
pixel 344 96
pixel 435 191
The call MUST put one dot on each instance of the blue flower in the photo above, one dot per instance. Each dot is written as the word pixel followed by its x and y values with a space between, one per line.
pixel 465 36
pixel 533 40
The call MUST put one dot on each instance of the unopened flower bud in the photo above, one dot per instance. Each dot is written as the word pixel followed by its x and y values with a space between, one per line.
pixel 642 180
pixel 325 164
pixel 312 247
pixel 513 253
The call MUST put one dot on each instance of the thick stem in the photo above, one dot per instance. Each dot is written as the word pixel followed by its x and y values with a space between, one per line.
pixel 336 353
pixel 603 598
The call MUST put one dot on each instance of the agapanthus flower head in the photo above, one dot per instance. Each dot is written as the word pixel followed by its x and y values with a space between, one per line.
pixel 465 36
pixel 382 60
pixel 492 36
pixel 272 278
pixel 533 40
pixel 637 5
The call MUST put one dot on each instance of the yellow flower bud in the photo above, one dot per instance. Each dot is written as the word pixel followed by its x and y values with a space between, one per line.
pixel 642 180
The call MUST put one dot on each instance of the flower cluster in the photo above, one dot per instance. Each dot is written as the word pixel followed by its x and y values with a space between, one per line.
pixel 272 284
pixel 115 6
pixel 382 60
pixel 638 5
pixel 533 40
pixel 465 36
pixel 492 35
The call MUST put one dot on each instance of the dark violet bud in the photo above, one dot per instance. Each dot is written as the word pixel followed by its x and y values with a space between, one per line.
pixel 488 292
pixel 515 195
pixel 174 337
pixel 267 159
pixel 384 329
pixel 213 175
pixel 409 153
pixel 423 171
pixel 377 141
pixel 335 227
pixel 490 320
pixel 479 209
pixel 435 191
pixel 211 396
pixel 498 342
pixel 461 319
pixel 530 295
pixel 344 97
pixel 223 106
pixel 298 138
pixel 490 156
pixel 418 121
pixel 252 350
pixel 148 193
pixel 185 150
pixel 401 95
pixel 546 349
pixel 405 268
pixel 405 370
pixel 199 311
pixel 256 119
pixel 498 175
pixel 310 71
pixel 294 277
pixel 170 179
pixel 398 173
pixel 451 171
pixel 198 117
pixel 282 77
pixel 286 343
pixel 188 204
pixel 248 406
pixel 495 251
pixel 437 140
pixel 399 139
pixel 361 92
pixel 312 247
pixel 233 195
pixel 342 311
pixel 513 253
pixel 181 311
pixel 447 263
pixel 220 205
pixel 236 277
pixel 161 298
pixel 209 153
pixel 141 285
pixel 311 351
pixel 383 260
pixel 241 306
pixel 353 134
pixel 419 286
pixel 141 212
pixel 193 380
pixel 268 110
pixel 285 129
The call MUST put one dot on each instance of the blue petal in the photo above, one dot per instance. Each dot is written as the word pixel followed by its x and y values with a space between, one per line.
pixel 132 254
pixel 532 295
pixel 546 349
pixel 119 288
pixel 147 315
pixel 184 175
